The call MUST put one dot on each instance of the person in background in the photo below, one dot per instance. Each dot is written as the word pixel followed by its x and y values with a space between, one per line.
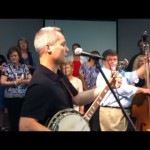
pixel 50 91
pixel 2 61
pixel 2 102
pixel 67 68
pixel 111 115
pixel 76 59
pixel 15 77
pixel 138 99
pixel 88 74
pixel 141 52
pixel 26 54
pixel 139 61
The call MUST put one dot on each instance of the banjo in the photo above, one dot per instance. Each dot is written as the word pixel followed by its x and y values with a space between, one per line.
pixel 71 120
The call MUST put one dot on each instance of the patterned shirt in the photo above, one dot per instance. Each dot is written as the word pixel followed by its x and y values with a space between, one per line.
pixel 90 74
pixel 11 71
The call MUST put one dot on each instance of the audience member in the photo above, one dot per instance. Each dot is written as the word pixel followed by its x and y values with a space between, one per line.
pixel 14 77
pixel 26 54
pixel 131 62
pixel 139 61
pixel 2 102
pixel 67 68
pixel 76 59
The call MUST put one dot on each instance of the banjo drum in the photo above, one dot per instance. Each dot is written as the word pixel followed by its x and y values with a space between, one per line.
pixel 68 120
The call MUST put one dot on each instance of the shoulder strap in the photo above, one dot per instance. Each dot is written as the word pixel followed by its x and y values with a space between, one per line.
pixel 66 87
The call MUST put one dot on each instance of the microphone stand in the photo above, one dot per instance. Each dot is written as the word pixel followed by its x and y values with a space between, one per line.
pixel 98 66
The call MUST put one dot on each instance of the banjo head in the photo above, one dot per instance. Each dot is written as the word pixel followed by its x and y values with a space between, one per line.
pixel 68 120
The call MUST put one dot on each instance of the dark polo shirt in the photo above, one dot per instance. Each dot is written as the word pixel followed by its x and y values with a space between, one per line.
pixel 46 95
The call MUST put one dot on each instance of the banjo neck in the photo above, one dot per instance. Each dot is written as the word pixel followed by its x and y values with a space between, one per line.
pixel 90 112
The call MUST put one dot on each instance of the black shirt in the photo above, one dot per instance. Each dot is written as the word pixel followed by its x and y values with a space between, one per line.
pixel 2 60
pixel 46 95
pixel 131 62
pixel 29 61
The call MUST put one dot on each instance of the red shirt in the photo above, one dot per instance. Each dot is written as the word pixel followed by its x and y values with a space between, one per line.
pixel 77 65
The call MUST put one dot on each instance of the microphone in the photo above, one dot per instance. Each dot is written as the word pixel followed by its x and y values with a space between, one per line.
pixel 80 51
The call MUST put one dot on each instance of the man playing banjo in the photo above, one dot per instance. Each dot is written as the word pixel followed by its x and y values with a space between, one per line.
pixel 50 91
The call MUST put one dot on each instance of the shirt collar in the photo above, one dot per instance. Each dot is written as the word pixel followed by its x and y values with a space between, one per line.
pixel 50 73
pixel 13 65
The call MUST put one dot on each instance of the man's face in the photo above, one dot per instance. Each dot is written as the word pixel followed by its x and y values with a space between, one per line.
pixel 111 62
pixel 59 50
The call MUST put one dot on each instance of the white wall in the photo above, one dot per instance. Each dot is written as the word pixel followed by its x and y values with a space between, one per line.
pixel 91 35
pixel 12 29
pixel 129 32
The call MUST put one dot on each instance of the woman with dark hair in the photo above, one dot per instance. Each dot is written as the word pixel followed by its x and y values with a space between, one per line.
pixel 14 77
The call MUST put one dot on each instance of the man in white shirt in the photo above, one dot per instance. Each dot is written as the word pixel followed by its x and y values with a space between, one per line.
pixel 111 115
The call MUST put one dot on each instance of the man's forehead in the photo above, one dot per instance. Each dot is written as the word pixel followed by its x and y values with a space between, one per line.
pixel 111 57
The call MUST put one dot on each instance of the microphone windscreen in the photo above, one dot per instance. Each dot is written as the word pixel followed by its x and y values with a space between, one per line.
pixel 78 51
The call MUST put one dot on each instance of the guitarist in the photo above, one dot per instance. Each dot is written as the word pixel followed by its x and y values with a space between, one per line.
pixel 111 117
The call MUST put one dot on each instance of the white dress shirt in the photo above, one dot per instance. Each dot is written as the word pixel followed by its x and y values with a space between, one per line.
pixel 124 93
